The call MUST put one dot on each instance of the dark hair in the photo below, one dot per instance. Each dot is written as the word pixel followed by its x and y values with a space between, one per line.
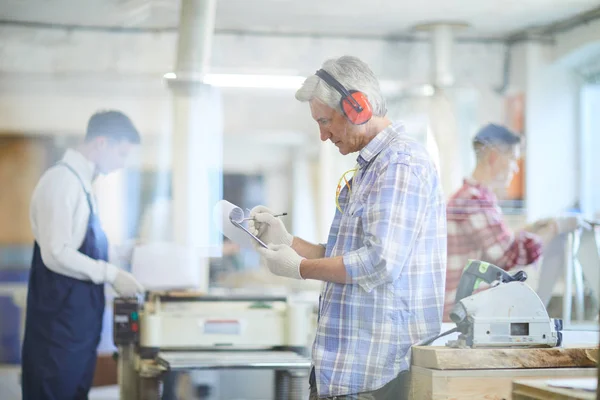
pixel 113 125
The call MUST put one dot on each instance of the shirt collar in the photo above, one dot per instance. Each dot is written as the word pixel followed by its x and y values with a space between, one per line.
pixel 378 143
pixel 469 181
pixel 84 167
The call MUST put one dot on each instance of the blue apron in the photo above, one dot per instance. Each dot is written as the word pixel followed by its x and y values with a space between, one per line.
pixel 63 324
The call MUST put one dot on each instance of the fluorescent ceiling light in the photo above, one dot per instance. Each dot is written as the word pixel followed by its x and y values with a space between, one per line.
pixel 254 81
pixel 250 81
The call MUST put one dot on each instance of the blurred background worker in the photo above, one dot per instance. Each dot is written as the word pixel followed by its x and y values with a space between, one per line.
pixel 384 261
pixel 476 226
pixel 65 301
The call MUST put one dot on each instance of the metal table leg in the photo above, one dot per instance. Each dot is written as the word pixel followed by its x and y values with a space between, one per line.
pixel 568 292
pixel 578 277
pixel 573 274
pixel 596 228
pixel 127 375
pixel 290 385
pixel 150 388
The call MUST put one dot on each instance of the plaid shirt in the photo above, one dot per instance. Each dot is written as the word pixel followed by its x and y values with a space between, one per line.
pixel 476 230
pixel 392 236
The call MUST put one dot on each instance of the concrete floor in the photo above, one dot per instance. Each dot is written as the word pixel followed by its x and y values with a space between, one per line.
pixel 10 389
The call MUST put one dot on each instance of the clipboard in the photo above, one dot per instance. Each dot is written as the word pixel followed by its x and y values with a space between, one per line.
pixel 242 227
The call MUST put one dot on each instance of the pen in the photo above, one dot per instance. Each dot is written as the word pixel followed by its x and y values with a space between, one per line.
pixel 276 215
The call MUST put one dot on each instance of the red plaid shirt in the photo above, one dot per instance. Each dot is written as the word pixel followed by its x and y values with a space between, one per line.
pixel 476 230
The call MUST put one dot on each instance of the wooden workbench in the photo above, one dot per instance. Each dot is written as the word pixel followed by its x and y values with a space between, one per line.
pixel 445 373
pixel 541 390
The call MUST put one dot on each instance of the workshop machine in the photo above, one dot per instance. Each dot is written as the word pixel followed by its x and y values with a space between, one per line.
pixel 188 331
pixel 509 314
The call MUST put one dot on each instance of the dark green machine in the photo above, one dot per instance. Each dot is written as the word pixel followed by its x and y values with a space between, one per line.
pixel 479 271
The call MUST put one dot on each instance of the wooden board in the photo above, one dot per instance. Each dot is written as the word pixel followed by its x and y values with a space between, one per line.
pixel 105 373
pixel 532 390
pixel 446 358
pixel 429 384
pixel 22 161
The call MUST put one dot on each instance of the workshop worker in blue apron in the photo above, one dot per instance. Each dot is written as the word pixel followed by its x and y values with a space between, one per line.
pixel 65 299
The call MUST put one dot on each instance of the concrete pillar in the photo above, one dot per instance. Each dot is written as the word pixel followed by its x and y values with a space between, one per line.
pixel 304 220
pixel 331 167
pixel 442 110
pixel 110 195
pixel 442 45
pixel 278 187
pixel 194 43
pixel 444 128
pixel 197 135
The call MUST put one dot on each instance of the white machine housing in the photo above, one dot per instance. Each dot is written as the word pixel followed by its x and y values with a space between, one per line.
pixel 209 322
pixel 508 315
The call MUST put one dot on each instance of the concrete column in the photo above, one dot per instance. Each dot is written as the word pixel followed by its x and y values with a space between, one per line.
pixel 304 220
pixel 441 54
pixel 110 198
pixel 194 44
pixel 331 167
pixel 552 132
pixel 444 128
pixel 197 135
pixel 278 188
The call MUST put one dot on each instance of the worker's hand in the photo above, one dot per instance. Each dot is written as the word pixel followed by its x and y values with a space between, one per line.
pixel 126 285
pixel 570 223
pixel 282 260
pixel 541 225
pixel 268 228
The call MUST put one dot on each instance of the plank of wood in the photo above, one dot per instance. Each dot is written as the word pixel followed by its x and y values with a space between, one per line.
pixel 539 390
pixel 447 358
pixel 430 384
pixel 22 162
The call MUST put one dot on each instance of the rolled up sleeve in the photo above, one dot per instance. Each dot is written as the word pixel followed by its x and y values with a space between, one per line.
pixel 392 218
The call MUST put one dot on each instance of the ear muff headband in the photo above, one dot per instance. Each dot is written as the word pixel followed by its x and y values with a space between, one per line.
pixel 354 104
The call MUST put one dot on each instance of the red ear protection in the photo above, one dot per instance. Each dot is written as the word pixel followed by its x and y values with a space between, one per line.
pixel 354 104
pixel 355 116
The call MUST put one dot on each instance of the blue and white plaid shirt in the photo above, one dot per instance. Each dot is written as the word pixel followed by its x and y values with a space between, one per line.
pixel 392 235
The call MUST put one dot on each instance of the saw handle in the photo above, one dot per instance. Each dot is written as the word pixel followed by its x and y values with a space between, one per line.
pixel 479 271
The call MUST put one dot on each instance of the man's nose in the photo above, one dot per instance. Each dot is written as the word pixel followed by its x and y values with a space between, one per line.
pixel 325 134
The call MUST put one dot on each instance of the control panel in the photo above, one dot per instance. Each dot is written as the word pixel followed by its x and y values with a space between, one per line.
pixel 126 323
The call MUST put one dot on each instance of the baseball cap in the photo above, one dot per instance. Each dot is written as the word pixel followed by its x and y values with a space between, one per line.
pixel 493 134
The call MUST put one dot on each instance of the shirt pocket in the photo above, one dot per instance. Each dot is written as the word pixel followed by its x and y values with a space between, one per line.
pixel 356 203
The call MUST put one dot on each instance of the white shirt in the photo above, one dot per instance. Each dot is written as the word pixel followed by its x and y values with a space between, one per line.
pixel 59 214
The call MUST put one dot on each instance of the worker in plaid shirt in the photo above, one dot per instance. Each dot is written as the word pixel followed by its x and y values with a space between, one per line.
pixel 476 227
pixel 385 259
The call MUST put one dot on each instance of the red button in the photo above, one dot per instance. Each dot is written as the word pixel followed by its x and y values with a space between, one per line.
pixel 134 327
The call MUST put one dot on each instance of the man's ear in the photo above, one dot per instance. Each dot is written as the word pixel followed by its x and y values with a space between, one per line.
pixel 101 142
pixel 492 156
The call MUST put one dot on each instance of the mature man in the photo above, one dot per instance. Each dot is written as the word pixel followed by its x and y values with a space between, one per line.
pixel 65 299
pixel 384 262
pixel 476 227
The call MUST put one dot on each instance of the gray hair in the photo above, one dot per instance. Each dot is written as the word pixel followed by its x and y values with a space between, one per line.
pixel 353 74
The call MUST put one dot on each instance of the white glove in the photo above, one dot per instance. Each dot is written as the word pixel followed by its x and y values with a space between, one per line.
pixel 541 225
pixel 570 223
pixel 268 228
pixel 126 285
pixel 282 260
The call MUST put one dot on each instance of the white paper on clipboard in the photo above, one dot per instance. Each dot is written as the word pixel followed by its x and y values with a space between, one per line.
pixel 223 214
